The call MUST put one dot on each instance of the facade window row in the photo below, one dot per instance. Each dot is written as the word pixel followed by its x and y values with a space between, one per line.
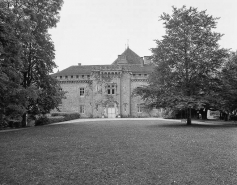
pixel 82 108
pixel 74 76
pixel 140 75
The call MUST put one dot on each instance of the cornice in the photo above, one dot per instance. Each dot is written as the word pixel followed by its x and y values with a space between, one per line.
pixel 139 80
pixel 75 81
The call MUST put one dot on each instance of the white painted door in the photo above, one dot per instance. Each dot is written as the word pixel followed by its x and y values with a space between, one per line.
pixel 111 112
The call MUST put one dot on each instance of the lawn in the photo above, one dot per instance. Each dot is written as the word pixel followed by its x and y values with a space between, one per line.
pixel 119 152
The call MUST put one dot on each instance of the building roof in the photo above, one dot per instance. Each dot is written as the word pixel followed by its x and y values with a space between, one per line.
pixel 128 59
pixel 76 70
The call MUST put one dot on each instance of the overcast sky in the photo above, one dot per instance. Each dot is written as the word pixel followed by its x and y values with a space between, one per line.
pixel 95 32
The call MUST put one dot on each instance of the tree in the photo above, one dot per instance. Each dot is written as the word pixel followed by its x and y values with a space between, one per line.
pixel 11 93
pixel 228 88
pixel 188 60
pixel 32 19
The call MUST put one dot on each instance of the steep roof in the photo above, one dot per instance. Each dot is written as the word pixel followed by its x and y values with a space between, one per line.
pixel 128 57
pixel 76 70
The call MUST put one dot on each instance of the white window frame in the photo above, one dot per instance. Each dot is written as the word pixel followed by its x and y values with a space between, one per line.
pixel 82 91
pixel 82 109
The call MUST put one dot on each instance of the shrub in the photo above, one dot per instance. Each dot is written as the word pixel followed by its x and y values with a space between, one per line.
pixel 3 123
pixel 14 123
pixel 67 115
pixel 168 114
pixel 42 121
pixel 56 119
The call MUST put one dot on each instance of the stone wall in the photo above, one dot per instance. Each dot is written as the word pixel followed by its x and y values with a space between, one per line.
pixel 96 100
pixel 74 100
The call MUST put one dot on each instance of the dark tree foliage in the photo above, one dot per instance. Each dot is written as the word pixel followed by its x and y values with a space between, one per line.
pixel 11 93
pixel 188 60
pixel 34 51
pixel 228 88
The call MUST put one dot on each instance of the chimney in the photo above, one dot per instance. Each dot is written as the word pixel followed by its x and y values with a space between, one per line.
pixel 79 64
pixel 142 62
pixel 147 61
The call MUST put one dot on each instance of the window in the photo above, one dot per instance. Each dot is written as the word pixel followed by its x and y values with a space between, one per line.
pixel 60 77
pixel 72 76
pixel 82 91
pixel 97 88
pixel 139 109
pixel 140 74
pixel 88 76
pixel 111 89
pixel 66 77
pixel 125 107
pixel 82 109
pixel 145 74
pixel 77 76
pixel 82 76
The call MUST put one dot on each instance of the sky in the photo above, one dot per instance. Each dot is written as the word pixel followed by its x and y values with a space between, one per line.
pixel 95 32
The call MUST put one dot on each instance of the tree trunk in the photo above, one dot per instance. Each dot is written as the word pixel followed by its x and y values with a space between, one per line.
pixel 24 120
pixel 189 121
pixel 204 114
pixel 1 117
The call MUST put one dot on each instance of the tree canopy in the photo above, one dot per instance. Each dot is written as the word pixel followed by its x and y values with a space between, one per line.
pixel 27 55
pixel 188 60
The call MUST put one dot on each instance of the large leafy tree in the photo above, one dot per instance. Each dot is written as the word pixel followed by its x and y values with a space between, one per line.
pixel 188 60
pixel 32 19
pixel 228 88
pixel 11 92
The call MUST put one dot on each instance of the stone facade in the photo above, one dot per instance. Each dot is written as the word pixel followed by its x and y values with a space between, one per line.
pixel 106 90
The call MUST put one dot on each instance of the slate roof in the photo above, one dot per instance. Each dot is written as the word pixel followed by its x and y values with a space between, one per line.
pixel 133 62
pixel 77 70
pixel 130 56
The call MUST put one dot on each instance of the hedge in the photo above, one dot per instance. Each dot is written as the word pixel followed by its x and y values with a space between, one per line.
pixel 57 117
pixel 67 115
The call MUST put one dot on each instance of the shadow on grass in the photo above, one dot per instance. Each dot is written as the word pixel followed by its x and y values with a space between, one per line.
pixel 193 125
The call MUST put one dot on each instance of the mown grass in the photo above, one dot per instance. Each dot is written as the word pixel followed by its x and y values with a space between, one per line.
pixel 119 152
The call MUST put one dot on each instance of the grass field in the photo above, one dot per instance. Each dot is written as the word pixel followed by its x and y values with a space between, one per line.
pixel 119 152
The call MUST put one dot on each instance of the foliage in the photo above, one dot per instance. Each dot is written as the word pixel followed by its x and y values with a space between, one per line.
pixel 188 60
pixel 11 93
pixel 56 119
pixel 27 57
pixel 228 88
pixel 67 115
pixel 43 120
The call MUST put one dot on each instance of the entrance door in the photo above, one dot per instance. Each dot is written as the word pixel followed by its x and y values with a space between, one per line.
pixel 111 112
